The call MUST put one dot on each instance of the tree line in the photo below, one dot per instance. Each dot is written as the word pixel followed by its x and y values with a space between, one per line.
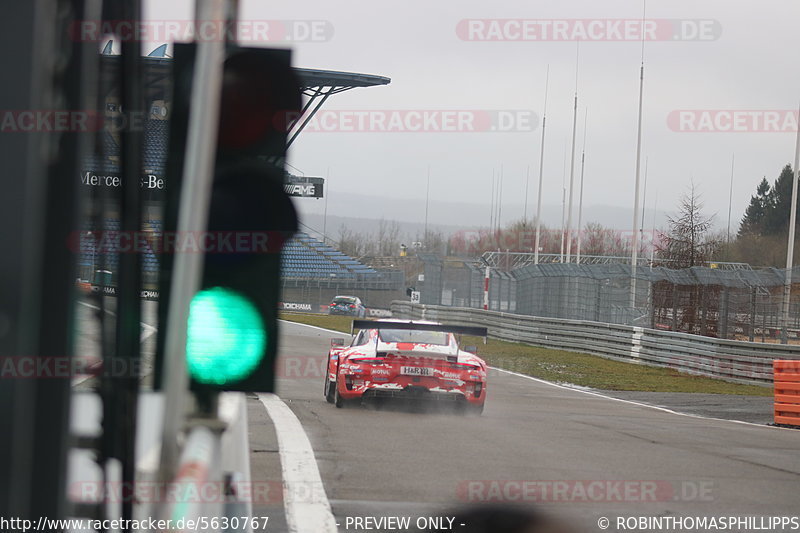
pixel 386 239
pixel 764 229
pixel 689 239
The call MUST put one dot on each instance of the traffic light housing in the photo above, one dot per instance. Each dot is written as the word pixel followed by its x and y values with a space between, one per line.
pixel 232 331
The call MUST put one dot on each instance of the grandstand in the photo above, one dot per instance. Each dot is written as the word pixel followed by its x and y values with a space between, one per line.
pixel 312 271
pixel 306 257
pixel 303 256
pixel 98 251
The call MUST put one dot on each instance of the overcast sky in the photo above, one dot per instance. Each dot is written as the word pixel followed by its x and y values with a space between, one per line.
pixel 749 64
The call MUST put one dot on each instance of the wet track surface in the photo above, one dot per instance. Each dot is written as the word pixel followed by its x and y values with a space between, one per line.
pixel 392 461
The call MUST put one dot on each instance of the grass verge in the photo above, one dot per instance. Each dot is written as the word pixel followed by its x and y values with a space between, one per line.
pixel 570 367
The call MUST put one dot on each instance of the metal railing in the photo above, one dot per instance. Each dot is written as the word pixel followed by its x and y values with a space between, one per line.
pixel 737 361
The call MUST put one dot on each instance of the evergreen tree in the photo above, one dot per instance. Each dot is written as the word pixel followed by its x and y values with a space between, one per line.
pixel 688 241
pixel 776 219
pixel 754 215
pixel 762 233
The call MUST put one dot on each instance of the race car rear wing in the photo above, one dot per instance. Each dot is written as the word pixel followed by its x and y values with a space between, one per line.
pixel 475 331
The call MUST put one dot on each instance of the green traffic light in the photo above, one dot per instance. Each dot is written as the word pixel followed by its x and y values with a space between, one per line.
pixel 226 337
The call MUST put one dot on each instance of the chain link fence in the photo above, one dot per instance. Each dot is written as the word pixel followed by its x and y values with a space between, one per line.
pixel 729 303
pixel 376 290
pixel 461 283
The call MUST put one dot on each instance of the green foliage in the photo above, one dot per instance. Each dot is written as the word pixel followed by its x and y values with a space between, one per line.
pixel 769 209
pixel 776 218
pixel 756 212
pixel 761 240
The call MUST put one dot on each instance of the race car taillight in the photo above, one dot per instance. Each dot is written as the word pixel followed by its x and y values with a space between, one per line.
pixel 478 389
pixel 352 306
pixel 464 366
pixel 368 360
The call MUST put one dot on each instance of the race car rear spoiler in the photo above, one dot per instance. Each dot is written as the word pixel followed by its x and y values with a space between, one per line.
pixel 475 331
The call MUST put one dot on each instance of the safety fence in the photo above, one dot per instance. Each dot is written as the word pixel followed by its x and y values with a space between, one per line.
pixel 376 291
pixel 727 303
pixel 738 361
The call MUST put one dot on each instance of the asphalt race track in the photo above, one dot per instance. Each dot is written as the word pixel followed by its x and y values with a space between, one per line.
pixel 568 445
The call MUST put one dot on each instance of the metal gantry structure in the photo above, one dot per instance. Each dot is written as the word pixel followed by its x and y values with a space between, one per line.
pixel 319 85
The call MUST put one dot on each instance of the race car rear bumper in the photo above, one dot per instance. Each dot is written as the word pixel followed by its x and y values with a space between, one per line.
pixel 415 393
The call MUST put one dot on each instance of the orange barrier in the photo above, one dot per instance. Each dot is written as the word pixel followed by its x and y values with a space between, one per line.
pixel 786 377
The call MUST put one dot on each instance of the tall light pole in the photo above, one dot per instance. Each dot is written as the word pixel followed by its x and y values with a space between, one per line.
pixel 527 184
pixel 653 235
pixel 541 172
pixel 580 198
pixel 427 200
pixel 787 286
pixel 635 244
pixel 730 201
pixel 644 195
pixel 491 207
pixel 500 201
pixel 572 157
pixel 563 200
pixel 644 199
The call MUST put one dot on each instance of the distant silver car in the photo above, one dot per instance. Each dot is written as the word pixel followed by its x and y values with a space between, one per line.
pixel 347 305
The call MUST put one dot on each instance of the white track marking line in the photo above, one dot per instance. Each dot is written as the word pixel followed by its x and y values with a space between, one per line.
pixel 148 329
pixel 304 500
pixel 599 395
pixel 315 327
pixel 632 402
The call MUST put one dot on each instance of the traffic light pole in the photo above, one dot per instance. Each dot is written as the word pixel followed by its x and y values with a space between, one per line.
pixel 192 217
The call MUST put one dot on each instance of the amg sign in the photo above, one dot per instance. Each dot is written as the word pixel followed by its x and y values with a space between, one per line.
pixel 303 187
pixel 306 191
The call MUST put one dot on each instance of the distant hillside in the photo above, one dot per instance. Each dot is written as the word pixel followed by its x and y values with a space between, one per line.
pixel 362 213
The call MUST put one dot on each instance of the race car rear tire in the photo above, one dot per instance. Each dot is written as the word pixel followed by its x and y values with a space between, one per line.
pixel 338 401
pixel 329 390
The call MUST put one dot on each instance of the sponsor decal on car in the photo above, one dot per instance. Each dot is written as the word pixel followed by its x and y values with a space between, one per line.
pixel 416 371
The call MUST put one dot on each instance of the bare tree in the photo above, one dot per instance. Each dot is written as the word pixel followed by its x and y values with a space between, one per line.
pixel 599 240
pixel 433 241
pixel 688 240
pixel 388 238
pixel 352 243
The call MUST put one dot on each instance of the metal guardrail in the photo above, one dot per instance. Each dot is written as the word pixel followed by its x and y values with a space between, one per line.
pixel 737 361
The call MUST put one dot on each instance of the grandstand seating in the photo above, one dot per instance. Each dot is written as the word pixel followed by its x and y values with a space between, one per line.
pixel 156 136
pixel 103 254
pixel 303 256
pixel 306 257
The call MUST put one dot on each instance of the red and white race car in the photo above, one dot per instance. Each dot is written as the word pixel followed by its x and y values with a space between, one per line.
pixel 405 359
